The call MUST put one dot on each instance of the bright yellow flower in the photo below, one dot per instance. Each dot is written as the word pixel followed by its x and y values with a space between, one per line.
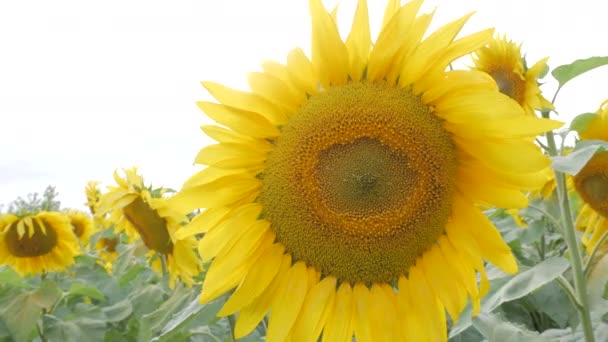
pixel 502 59
pixel 342 196
pixel 93 195
pixel 106 247
pixel 597 128
pixel 134 210
pixel 38 243
pixel 82 225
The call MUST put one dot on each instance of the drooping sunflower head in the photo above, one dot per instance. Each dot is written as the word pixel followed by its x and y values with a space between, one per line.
pixel 502 59
pixel 597 127
pixel 38 243
pixel 591 182
pixel 133 209
pixel 346 185
pixel 82 225
pixel 93 195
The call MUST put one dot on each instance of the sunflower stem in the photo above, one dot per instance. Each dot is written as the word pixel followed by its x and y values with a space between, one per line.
pixel 570 237
pixel 232 323
pixel 163 263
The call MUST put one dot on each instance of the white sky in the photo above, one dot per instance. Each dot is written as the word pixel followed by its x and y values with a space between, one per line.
pixel 90 86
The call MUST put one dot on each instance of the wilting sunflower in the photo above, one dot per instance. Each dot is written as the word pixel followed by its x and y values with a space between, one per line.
pixel 591 183
pixel 82 225
pixel 38 243
pixel 133 209
pixel 342 196
pixel 502 59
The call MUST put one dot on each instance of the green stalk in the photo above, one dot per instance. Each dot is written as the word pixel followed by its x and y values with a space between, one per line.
pixel 569 235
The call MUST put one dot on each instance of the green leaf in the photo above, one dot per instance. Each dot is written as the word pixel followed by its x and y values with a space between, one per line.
pixel 153 323
pixel 526 282
pixel 581 122
pixel 118 311
pixel 86 290
pixel 11 278
pixel 131 273
pixel 203 314
pixel 567 72
pixel 495 329
pixel 513 287
pixel 21 314
pixel 575 161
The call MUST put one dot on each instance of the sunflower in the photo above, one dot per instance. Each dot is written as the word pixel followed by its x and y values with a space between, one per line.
pixel 134 210
pixel 93 195
pixel 106 247
pixel 39 243
pixel 591 183
pixel 82 225
pixel 343 194
pixel 502 59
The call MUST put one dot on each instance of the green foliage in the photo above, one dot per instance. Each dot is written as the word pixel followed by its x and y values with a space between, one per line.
pixel 34 202
pixel 567 72
pixel 577 159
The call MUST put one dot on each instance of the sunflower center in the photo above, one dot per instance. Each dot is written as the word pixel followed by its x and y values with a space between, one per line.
pixel 41 242
pixel 359 184
pixel 510 84
pixel 109 244
pixel 78 228
pixel 592 183
pixel 151 227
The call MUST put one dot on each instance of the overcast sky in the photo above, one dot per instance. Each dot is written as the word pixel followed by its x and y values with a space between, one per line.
pixel 90 86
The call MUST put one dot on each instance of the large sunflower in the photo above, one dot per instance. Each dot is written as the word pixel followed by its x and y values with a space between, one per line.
pixel 502 59
pixel 133 209
pixel 591 183
pixel 342 196
pixel 38 243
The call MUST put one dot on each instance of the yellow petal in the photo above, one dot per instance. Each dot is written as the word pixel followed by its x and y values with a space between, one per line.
pixel 359 42
pixel 219 281
pixel 253 313
pixel 394 42
pixel 246 101
pixel 202 222
pixel 245 122
pixel 232 156
pixel 339 326
pixel 275 91
pixel 425 304
pixel 316 308
pixel 224 135
pixel 361 320
pixel 301 71
pixel 210 174
pixel 430 49
pixel 221 192
pixel 287 303
pixel 391 8
pixel 415 328
pixel 256 281
pixel 447 289
pixel 229 230
pixel 382 313
pixel 329 54
pixel 489 240
pixel 461 271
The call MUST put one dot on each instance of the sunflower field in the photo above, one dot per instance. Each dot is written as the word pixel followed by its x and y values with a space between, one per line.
pixel 413 186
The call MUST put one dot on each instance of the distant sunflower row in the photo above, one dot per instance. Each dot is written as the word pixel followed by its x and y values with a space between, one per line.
pixel 36 243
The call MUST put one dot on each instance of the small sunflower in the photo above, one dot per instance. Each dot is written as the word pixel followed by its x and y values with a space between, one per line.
pixel 82 225
pixel 106 247
pixel 133 209
pixel 591 183
pixel 343 194
pixel 502 59
pixel 93 195
pixel 39 243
